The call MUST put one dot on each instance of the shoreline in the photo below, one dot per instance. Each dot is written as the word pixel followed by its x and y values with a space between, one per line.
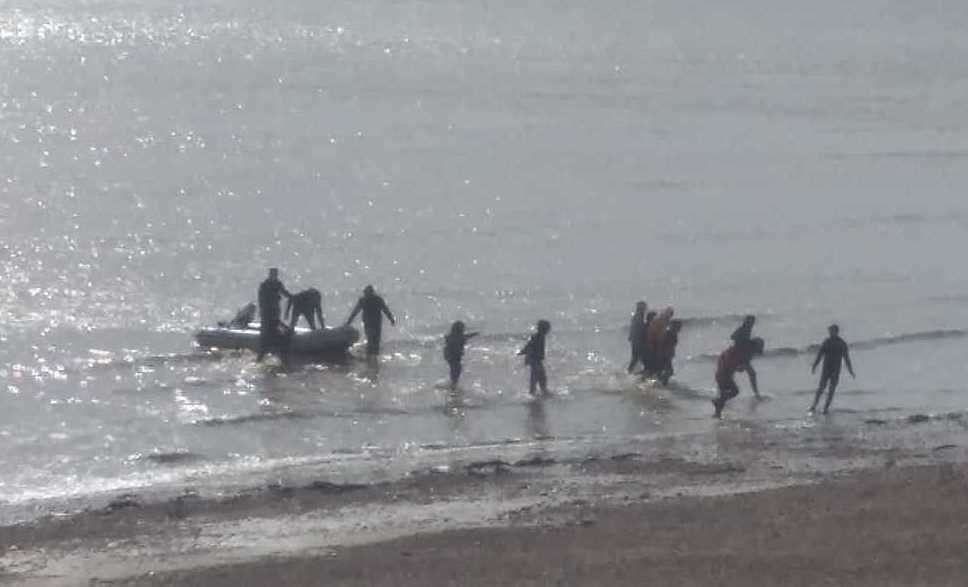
pixel 191 537
pixel 840 436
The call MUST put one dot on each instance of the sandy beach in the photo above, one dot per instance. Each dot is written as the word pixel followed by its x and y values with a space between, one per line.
pixel 894 527
pixel 768 512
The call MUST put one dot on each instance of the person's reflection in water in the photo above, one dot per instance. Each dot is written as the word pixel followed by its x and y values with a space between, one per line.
pixel 454 402
pixel 537 420
pixel 455 407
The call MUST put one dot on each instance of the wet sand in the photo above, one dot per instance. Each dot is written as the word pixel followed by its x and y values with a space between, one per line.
pixel 884 518
pixel 897 526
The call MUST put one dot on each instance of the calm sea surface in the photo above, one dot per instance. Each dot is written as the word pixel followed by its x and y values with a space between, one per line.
pixel 491 162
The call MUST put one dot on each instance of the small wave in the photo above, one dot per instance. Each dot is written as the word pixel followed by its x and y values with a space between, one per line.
pixel 487 468
pixel 249 418
pixel 521 336
pixel 384 411
pixel 854 392
pixel 922 418
pixel 127 361
pixel 910 337
pixel 873 343
pixel 957 416
pixel 437 341
pixel 699 321
pixel 949 298
pixel 171 458
pixel 535 461
pixel 325 487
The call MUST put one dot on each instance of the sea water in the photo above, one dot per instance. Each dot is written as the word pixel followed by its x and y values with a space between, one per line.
pixel 496 163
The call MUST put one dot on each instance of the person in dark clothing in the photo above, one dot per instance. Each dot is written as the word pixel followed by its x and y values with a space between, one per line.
pixel 744 334
pixel 667 351
pixel 454 350
pixel 308 303
pixel 637 336
pixel 834 353
pixel 373 308
pixel 272 337
pixel 534 355
pixel 242 318
pixel 648 361
pixel 738 357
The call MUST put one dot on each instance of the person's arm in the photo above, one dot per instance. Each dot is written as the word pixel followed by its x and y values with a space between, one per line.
pixel 284 291
pixel 752 373
pixel 356 310
pixel 470 335
pixel 288 309
pixel 319 315
pixel 850 368
pixel 817 360
pixel 389 314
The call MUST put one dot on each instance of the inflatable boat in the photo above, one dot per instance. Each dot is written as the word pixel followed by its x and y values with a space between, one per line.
pixel 324 341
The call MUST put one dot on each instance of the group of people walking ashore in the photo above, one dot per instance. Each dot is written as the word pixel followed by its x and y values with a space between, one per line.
pixel 653 337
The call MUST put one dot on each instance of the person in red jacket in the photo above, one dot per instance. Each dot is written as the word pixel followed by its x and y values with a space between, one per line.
pixel 737 358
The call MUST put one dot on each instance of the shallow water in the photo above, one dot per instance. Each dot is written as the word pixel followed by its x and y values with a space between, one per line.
pixel 491 164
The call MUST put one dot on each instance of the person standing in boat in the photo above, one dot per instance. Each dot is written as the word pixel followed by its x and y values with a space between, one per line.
pixel 272 337
pixel 373 308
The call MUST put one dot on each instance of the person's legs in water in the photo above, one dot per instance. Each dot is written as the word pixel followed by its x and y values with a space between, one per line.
pixel 648 363
pixel 283 343
pixel 455 371
pixel 539 378
pixel 820 387
pixel 635 359
pixel 727 391
pixel 372 339
pixel 638 356
pixel 666 371
pixel 834 378
pixel 275 338
pixel 266 339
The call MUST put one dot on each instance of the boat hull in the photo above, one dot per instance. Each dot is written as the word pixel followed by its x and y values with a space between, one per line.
pixel 324 341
